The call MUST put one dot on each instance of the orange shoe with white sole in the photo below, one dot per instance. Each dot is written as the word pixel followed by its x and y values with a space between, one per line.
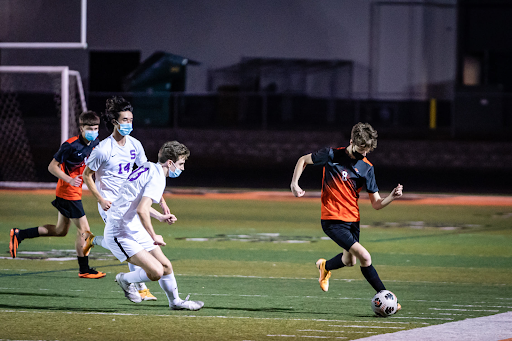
pixel 324 274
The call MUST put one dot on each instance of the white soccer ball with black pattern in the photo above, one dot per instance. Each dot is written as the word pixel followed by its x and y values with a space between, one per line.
pixel 384 303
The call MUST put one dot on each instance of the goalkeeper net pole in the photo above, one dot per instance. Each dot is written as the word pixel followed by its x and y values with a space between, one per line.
pixel 65 74
pixel 33 97
pixel 82 44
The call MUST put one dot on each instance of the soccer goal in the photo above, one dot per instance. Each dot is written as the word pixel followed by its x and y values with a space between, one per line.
pixel 30 97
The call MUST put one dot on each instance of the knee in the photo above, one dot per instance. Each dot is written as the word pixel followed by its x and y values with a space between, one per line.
pixel 348 259
pixel 56 230
pixel 167 268
pixel 350 262
pixel 366 260
pixel 155 273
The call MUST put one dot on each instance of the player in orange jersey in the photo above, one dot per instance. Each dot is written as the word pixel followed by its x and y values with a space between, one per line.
pixel 68 165
pixel 346 171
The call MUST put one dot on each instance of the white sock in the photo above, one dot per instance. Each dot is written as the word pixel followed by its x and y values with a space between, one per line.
pixel 168 284
pixel 139 284
pixel 139 275
pixel 99 240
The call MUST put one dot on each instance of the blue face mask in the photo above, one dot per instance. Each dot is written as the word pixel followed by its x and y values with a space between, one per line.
pixel 91 135
pixel 125 128
pixel 176 172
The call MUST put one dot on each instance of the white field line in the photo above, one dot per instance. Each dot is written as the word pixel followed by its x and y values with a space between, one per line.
pixel 174 316
pixel 334 331
pixel 355 326
pixel 308 336
pixel 449 309
pixel 422 318
pixel 312 297
pixel 271 277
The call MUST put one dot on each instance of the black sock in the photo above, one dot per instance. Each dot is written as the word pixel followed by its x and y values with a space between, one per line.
pixel 334 263
pixel 372 277
pixel 83 263
pixel 32 232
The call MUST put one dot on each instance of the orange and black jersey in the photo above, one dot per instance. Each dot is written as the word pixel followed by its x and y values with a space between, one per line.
pixel 71 156
pixel 342 181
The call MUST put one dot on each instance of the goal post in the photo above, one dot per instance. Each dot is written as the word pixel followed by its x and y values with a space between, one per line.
pixel 34 98
pixel 65 75
pixel 82 44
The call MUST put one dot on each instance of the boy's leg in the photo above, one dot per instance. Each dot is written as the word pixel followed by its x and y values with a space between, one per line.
pixel 17 235
pixel 148 269
pixel 141 286
pixel 92 240
pixel 367 268
pixel 85 270
pixel 168 284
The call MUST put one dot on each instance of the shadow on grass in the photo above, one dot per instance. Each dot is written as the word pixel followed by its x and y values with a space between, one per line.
pixel 37 294
pixel 277 310
pixel 267 310
pixel 63 309
pixel 55 271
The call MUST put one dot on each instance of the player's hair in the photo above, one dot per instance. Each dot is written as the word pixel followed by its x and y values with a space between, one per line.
pixel 363 135
pixel 114 106
pixel 89 118
pixel 172 150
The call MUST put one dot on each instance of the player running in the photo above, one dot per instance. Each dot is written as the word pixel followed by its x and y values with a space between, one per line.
pixel 111 163
pixel 68 165
pixel 129 233
pixel 346 171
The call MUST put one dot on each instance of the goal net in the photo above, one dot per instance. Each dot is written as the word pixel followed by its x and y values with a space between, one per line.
pixel 36 103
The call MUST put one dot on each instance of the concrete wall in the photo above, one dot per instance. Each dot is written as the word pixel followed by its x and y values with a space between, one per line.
pixel 399 50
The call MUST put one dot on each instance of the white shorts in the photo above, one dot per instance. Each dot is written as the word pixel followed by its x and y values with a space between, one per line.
pixel 127 245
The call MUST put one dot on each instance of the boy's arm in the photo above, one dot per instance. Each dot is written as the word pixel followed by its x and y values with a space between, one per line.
pixel 165 217
pixel 88 173
pixel 299 168
pixel 164 206
pixel 144 212
pixel 379 203
pixel 54 168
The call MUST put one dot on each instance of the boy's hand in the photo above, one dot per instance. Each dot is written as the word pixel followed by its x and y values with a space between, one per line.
pixel 397 192
pixel 297 191
pixel 167 211
pixel 76 181
pixel 105 204
pixel 169 218
pixel 159 240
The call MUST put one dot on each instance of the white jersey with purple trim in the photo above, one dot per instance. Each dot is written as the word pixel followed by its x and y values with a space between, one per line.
pixel 113 163
pixel 146 181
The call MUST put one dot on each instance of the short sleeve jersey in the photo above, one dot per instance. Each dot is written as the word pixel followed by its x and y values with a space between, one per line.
pixel 343 179
pixel 146 181
pixel 72 156
pixel 113 163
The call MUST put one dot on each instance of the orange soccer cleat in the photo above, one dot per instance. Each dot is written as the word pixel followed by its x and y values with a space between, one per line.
pixel 324 274
pixel 91 273
pixel 14 242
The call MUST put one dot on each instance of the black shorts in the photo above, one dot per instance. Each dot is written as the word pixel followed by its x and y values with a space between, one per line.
pixel 343 233
pixel 69 208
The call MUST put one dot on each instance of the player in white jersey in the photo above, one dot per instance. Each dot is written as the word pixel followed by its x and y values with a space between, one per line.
pixel 111 162
pixel 130 235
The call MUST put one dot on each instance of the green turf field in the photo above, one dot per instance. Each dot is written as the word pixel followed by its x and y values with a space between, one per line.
pixel 252 263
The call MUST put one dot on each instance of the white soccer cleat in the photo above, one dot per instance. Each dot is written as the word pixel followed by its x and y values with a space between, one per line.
pixel 187 305
pixel 130 292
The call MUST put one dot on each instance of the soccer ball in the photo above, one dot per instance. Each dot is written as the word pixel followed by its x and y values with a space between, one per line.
pixel 384 303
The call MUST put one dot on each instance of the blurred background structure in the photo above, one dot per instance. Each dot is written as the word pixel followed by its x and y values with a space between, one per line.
pixel 251 86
